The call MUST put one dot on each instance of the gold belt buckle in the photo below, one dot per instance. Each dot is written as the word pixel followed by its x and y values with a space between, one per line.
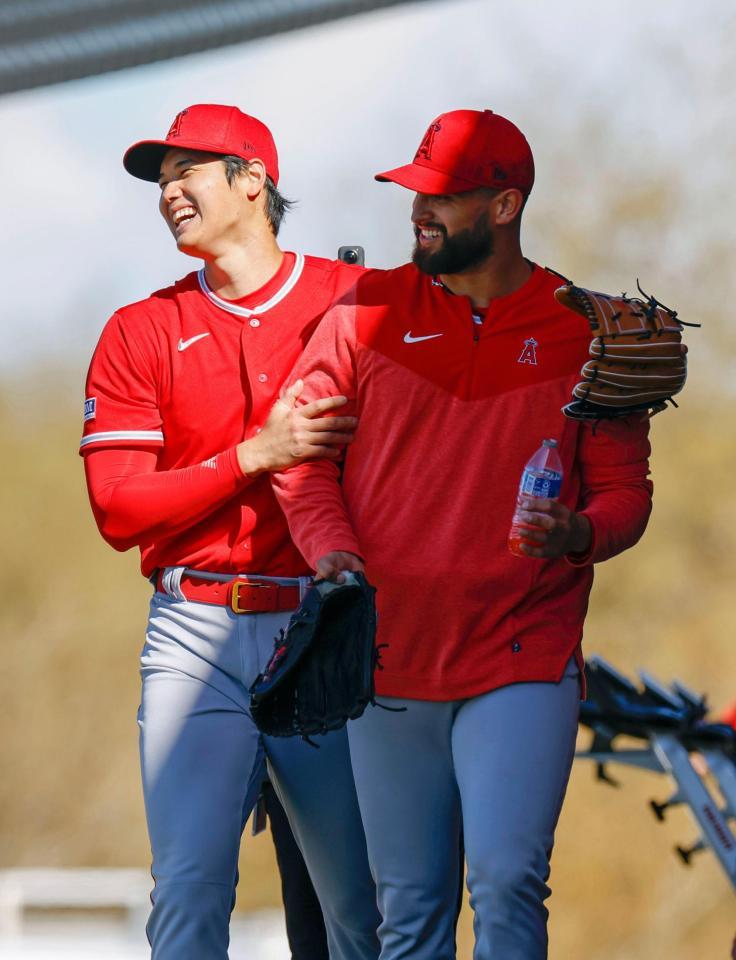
pixel 235 595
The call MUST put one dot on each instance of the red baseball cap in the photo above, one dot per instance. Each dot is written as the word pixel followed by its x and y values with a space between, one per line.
pixel 211 127
pixel 466 149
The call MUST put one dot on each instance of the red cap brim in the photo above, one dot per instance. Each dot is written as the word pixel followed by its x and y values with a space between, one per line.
pixel 423 180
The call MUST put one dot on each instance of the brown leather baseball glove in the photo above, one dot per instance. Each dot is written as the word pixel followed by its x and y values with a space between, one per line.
pixel 638 358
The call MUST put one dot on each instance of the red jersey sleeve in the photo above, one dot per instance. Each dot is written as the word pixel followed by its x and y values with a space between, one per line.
pixel 310 493
pixel 133 504
pixel 133 501
pixel 616 496
pixel 121 397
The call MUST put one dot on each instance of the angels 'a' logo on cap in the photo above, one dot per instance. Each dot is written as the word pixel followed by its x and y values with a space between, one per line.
pixel 425 147
pixel 175 127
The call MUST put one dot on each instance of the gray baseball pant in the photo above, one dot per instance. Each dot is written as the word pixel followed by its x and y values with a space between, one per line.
pixel 202 762
pixel 497 763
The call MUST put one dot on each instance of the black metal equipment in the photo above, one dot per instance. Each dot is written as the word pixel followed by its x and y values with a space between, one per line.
pixel 672 723
pixel 50 41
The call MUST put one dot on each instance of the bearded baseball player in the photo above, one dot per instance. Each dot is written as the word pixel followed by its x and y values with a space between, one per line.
pixel 183 424
pixel 457 365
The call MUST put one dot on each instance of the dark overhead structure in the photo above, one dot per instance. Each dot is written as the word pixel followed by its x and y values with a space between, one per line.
pixel 44 42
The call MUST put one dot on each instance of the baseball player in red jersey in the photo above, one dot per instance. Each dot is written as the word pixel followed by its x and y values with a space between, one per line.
pixel 183 423
pixel 457 366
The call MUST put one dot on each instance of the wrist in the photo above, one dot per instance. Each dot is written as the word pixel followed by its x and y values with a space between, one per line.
pixel 250 458
pixel 343 553
pixel 582 534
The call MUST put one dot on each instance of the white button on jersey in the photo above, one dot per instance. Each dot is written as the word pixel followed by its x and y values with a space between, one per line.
pixel 262 377
pixel 255 322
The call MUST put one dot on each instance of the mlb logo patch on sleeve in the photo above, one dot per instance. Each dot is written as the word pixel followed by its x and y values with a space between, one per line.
pixel 90 408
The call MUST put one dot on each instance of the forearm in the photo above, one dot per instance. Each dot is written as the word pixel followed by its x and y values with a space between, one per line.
pixel 310 493
pixel 617 518
pixel 133 502
pixel 616 494
pixel 311 497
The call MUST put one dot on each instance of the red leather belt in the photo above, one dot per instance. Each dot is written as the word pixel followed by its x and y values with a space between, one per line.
pixel 240 594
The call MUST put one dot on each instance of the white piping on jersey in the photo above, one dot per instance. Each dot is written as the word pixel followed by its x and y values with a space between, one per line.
pixel 149 435
pixel 287 287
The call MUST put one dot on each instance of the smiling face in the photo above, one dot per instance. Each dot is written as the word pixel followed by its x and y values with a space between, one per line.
pixel 204 212
pixel 453 232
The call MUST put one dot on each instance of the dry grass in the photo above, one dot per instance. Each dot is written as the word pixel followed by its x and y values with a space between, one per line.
pixel 73 620
pixel 72 627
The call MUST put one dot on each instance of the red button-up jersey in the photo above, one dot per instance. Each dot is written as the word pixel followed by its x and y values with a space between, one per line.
pixel 189 375
pixel 450 410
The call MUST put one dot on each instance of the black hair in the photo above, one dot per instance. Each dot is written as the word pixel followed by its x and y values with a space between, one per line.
pixel 276 204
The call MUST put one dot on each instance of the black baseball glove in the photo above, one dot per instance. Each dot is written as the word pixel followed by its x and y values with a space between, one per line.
pixel 320 674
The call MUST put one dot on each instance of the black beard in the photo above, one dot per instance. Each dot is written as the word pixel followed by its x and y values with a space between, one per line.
pixel 458 253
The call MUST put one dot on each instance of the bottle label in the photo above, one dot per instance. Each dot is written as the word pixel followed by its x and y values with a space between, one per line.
pixel 541 483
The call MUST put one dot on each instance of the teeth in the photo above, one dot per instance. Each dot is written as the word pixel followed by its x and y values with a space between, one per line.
pixel 430 234
pixel 183 214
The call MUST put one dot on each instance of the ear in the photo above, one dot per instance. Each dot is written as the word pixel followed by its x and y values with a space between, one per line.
pixel 508 205
pixel 254 179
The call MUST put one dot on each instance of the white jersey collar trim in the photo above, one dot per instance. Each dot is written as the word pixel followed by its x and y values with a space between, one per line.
pixel 282 292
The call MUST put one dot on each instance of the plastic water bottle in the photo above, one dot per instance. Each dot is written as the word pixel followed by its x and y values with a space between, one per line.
pixel 542 477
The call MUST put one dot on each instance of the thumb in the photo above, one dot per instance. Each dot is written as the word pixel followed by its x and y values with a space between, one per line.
pixel 327 569
pixel 290 395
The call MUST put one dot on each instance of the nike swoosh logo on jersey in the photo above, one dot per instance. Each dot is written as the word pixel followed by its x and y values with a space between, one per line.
pixel 184 344
pixel 430 336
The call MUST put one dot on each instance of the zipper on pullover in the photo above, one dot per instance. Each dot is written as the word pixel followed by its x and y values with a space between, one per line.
pixel 478 315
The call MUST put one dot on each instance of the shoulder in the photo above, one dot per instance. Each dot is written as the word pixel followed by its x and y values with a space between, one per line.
pixel 141 329
pixel 160 302
pixel 332 276
pixel 546 282
pixel 380 286
pixel 149 320
pixel 406 275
